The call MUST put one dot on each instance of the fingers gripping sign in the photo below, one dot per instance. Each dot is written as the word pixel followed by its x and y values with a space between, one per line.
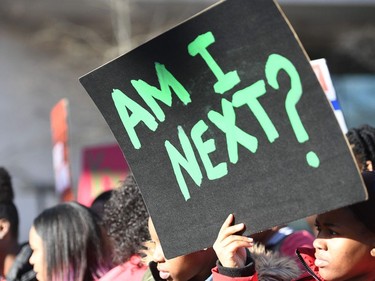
pixel 230 246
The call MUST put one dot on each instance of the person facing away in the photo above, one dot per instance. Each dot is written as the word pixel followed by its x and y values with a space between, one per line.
pixel 191 267
pixel 97 205
pixel 344 249
pixel 14 256
pixel 362 142
pixel 69 244
pixel 125 219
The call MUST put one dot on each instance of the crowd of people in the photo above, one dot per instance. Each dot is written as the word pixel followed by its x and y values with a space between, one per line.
pixel 115 239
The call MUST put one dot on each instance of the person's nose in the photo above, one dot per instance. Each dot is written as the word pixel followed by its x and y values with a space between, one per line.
pixel 158 255
pixel 31 259
pixel 320 243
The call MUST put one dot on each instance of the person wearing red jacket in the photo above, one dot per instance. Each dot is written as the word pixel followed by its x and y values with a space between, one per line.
pixel 344 249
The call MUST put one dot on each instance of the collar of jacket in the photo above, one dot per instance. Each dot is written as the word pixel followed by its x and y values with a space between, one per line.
pixel 307 258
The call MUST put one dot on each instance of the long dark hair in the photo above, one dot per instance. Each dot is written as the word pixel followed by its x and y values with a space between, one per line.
pixel 75 246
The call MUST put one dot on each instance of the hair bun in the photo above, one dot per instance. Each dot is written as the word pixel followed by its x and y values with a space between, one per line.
pixel 6 188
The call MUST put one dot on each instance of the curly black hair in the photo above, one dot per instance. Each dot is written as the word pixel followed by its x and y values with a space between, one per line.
pixel 125 218
pixel 362 141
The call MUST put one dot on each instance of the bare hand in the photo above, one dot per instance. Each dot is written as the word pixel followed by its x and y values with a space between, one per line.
pixel 230 247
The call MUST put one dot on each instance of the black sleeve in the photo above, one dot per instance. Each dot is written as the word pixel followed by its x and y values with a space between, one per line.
pixel 247 270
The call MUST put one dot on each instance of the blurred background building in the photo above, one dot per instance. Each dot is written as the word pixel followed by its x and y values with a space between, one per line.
pixel 46 45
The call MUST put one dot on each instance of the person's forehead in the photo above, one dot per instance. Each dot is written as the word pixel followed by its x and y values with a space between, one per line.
pixel 342 216
pixel 34 239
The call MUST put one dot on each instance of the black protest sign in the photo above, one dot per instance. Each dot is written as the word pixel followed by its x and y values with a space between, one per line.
pixel 223 114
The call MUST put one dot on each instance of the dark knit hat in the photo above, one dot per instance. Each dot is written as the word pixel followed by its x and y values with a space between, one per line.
pixel 365 210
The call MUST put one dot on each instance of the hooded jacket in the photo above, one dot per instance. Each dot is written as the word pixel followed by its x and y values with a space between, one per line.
pixel 132 270
pixel 263 266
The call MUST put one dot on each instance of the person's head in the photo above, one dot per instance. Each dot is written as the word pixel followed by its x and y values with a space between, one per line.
pixel 362 142
pixel 125 218
pixel 68 244
pixel 345 244
pixel 192 267
pixel 98 204
pixel 9 220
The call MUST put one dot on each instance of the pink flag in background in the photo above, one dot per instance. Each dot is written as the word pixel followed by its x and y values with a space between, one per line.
pixel 103 167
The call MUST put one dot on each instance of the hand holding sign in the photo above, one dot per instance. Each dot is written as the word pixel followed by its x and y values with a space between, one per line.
pixel 230 245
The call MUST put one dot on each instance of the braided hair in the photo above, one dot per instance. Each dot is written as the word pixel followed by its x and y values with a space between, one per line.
pixel 362 141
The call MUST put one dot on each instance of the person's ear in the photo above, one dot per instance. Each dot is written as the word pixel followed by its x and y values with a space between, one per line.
pixel 369 166
pixel 4 228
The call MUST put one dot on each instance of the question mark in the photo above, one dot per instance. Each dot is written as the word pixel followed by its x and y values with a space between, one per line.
pixel 274 64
